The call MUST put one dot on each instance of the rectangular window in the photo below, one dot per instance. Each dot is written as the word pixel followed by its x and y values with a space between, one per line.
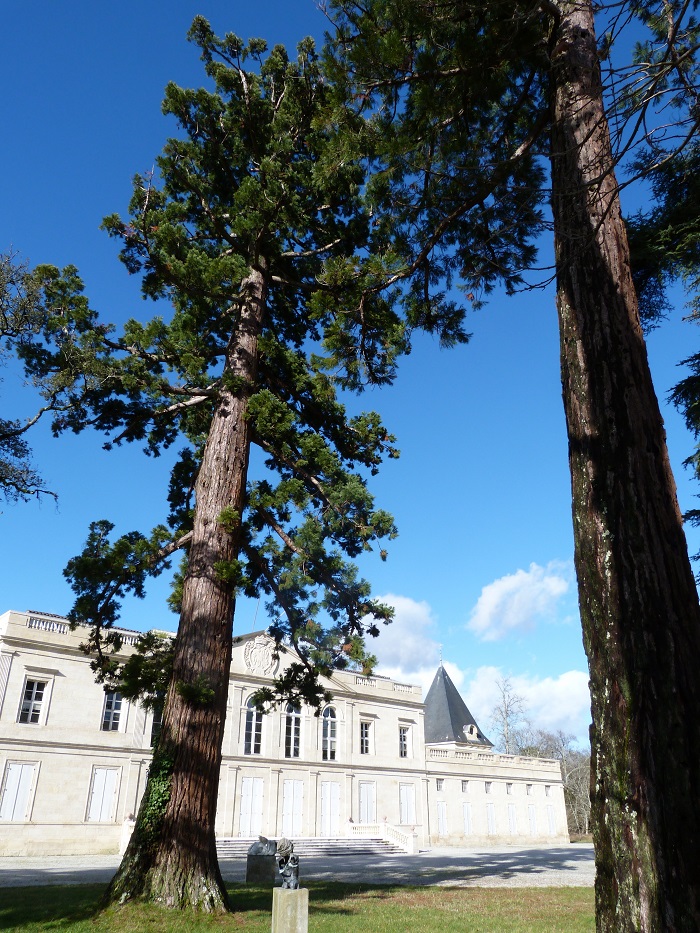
pixel 33 697
pixel 111 713
pixel 465 787
pixel 102 805
pixel 547 790
pixel 439 783
pixel 509 789
pixel 487 786
pixel 328 734
pixel 528 790
pixel 157 724
pixel 252 742
pixel 403 741
pixel 17 790
pixel 292 732
pixel 364 738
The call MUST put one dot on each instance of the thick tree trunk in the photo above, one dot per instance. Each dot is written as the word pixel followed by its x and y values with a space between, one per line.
pixel 172 855
pixel 639 604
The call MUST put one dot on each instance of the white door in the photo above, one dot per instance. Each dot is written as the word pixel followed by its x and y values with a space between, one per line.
pixel 251 807
pixel 532 817
pixel 551 820
pixel 16 791
pixel 330 808
pixel 407 804
pixel 512 820
pixel 467 812
pixel 442 818
pixel 103 795
pixel 368 813
pixel 491 818
pixel 292 806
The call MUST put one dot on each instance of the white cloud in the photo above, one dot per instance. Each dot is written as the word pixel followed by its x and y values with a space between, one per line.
pixel 517 600
pixel 406 650
pixel 552 703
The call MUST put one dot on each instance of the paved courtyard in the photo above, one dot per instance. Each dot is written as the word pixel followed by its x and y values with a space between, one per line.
pixel 504 867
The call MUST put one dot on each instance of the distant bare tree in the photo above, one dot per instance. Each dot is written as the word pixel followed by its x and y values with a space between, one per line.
pixel 508 718
pixel 575 772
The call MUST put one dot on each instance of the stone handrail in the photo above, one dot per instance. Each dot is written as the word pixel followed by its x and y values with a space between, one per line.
pixel 47 625
pixel 401 836
pixel 507 761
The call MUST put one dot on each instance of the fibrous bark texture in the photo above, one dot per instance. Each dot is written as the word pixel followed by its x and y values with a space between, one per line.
pixel 639 605
pixel 171 858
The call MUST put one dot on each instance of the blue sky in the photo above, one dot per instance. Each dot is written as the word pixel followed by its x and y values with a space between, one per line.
pixel 483 563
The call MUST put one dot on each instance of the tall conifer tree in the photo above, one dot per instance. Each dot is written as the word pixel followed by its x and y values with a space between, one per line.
pixel 462 102
pixel 256 236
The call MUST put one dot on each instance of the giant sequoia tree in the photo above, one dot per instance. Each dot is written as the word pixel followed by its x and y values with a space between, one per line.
pixel 462 103
pixel 256 237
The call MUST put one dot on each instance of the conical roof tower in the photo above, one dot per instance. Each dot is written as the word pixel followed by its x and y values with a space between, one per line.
pixel 447 717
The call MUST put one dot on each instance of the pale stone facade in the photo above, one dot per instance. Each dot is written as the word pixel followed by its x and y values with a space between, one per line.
pixel 74 760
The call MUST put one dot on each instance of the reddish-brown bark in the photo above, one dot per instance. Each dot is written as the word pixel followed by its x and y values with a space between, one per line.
pixel 172 855
pixel 639 605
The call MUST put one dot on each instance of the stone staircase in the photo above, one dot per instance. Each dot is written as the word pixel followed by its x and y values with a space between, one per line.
pixel 314 847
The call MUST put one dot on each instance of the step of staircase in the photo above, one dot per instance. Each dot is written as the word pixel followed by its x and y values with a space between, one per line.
pixel 319 846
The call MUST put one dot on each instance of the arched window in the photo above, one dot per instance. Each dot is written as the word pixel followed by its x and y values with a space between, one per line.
pixel 292 731
pixel 329 731
pixel 253 729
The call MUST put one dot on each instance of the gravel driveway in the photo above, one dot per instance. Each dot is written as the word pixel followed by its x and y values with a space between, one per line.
pixel 504 867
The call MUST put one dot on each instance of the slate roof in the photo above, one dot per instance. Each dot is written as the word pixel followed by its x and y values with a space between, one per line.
pixel 447 717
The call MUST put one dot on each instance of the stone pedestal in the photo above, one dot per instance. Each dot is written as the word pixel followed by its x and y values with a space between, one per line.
pixel 261 869
pixel 290 910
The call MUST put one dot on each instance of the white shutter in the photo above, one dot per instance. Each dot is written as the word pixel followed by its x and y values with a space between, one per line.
pixel 491 818
pixel 467 813
pixel 5 665
pixel 551 820
pixel 256 808
pixel 16 791
pixel 407 804
pixel 98 786
pixel 442 818
pixel 532 817
pixel 335 808
pixel 326 808
pixel 367 810
pixel 287 804
pixel 246 806
pixel 103 795
pixel 512 820
pixel 330 808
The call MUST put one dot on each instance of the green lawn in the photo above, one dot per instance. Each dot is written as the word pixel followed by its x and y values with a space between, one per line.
pixel 333 908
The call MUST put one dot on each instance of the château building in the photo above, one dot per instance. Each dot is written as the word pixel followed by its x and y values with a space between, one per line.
pixel 377 760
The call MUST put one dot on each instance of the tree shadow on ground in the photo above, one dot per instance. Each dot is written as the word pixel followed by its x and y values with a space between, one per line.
pixel 48 908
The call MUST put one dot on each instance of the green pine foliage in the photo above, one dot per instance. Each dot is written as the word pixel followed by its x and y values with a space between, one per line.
pixel 247 182
pixel 447 105
pixel 22 316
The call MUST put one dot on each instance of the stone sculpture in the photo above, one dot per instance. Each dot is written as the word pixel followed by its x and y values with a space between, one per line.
pixel 288 864
pixel 263 846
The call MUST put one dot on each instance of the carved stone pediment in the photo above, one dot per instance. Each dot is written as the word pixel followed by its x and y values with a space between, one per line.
pixel 259 656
